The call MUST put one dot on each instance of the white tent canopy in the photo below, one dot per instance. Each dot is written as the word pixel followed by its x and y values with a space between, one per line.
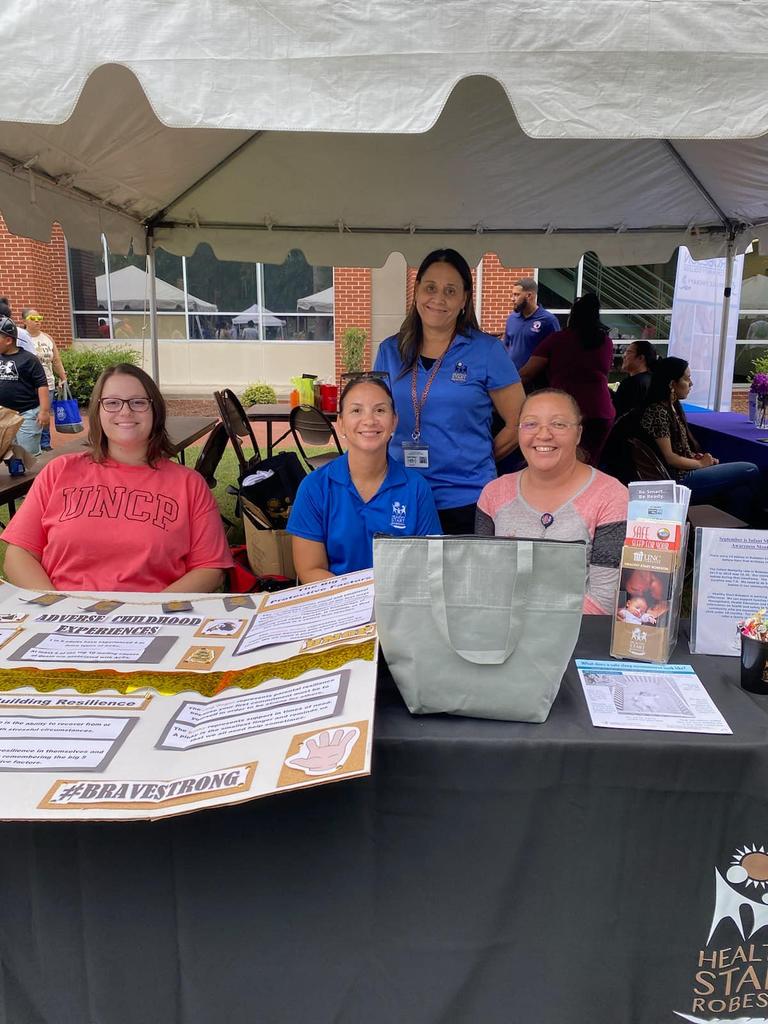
pixel 318 302
pixel 253 313
pixel 129 289
pixel 353 132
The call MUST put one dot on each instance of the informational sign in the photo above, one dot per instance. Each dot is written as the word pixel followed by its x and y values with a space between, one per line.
pixel 694 335
pixel 666 698
pixel 121 706
pixel 730 582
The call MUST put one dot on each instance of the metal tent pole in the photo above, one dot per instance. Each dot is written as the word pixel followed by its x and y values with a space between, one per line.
pixel 153 340
pixel 730 255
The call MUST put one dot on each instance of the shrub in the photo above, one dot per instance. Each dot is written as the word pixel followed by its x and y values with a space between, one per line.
pixel 258 394
pixel 353 349
pixel 85 365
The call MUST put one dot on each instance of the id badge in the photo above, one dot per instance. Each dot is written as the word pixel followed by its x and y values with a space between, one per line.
pixel 415 455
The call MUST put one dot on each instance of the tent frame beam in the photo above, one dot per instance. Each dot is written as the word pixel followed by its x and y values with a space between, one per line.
pixel 688 171
pixel 335 229
pixel 152 222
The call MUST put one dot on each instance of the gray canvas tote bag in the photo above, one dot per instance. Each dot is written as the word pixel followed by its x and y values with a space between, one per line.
pixel 478 626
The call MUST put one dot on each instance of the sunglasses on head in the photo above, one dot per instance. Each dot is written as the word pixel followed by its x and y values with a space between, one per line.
pixel 355 378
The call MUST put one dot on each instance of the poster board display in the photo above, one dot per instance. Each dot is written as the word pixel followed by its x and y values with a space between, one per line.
pixel 126 706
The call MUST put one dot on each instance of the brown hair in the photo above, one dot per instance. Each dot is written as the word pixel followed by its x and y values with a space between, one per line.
pixel 561 394
pixel 366 378
pixel 158 444
pixel 411 333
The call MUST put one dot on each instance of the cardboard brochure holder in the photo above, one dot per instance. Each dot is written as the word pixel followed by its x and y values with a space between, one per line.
pixel 656 579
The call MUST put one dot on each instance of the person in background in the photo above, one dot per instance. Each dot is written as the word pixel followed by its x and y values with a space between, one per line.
pixel 447 378
pixel 121 516
pixel 48 354
pixel 23 339
pixel 23 387
pixel 339 507
pixel 637 362
pixel 528 323
pixel 557 497
pixel 734 487
pixel 578 360
pixel 103 328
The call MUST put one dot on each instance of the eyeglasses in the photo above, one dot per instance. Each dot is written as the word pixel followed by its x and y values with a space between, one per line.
pixel 556 426
pixel 34 316
pixel 116 404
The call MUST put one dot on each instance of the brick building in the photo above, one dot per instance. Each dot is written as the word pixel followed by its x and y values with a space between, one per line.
pixel 37 274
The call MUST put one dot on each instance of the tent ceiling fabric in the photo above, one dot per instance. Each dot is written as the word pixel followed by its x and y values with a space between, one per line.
pixel 354 131
pixel 600 69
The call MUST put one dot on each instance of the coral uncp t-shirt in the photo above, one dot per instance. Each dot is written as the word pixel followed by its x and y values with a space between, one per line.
pixel 108 526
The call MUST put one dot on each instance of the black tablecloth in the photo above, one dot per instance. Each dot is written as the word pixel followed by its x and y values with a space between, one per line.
pixel 486 872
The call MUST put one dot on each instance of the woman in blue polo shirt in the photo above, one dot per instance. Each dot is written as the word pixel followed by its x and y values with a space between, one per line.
pixel 447 378
pixel 341 506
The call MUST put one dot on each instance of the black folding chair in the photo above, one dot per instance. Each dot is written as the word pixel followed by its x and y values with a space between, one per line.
pixel 312 427
pixel 237 426
pixel 209 458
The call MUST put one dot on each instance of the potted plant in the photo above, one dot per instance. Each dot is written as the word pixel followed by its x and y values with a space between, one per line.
pixel 258 394
pixel 353 349
pixel 754 653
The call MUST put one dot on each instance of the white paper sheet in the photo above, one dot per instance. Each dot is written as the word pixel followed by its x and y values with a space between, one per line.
pixel 311 611
pixel 730 583
pixel 636 695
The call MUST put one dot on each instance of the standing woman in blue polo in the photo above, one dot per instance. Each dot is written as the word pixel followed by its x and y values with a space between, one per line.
pixel 447 378
pixel 341 506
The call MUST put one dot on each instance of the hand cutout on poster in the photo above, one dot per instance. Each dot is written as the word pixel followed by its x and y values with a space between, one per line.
pixel 324 752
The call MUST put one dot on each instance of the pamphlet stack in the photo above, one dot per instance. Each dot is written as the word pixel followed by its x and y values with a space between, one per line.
pixel 652 571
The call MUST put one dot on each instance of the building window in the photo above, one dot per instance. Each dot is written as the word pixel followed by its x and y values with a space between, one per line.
pixel 201 298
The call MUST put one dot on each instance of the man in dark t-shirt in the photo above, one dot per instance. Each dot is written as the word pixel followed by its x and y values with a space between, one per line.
pixel 639 357
pixel 23 387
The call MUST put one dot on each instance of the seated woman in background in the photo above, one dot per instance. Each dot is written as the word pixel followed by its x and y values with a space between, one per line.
pixel 120 516
pixel 577 361
pixel 557 497
pixel 340 506
pixel 732 486
pixel 639 358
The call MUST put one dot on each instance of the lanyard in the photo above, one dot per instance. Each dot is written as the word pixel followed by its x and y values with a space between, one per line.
pixel 419 403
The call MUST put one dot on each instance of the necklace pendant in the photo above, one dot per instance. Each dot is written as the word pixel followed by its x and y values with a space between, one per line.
pixel 547 519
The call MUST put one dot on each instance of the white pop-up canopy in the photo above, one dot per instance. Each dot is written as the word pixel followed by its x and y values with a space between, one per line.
pixel 318 302
pixel 129 288
pixel 349 132
pixel 256 314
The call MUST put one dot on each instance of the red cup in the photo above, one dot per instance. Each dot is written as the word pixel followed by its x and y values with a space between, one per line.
pixel 329 397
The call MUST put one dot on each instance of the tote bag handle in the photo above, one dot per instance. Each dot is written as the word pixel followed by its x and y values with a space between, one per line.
pixel 435 575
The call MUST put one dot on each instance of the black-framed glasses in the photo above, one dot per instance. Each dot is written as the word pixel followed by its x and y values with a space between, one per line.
pixel 116 404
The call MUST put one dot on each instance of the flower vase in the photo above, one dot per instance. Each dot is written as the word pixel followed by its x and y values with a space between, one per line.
pixel 761 412
pixel 752 406
pixel 754 665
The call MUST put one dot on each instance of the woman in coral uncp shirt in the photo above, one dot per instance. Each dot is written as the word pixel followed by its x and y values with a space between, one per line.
pixel 121 516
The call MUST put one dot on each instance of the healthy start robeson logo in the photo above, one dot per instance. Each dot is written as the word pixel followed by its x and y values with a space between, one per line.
pixel 730 981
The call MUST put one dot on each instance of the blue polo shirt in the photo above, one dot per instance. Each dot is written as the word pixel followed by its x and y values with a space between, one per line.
pixel 328 509
pixel 523 333
pixel 456 418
